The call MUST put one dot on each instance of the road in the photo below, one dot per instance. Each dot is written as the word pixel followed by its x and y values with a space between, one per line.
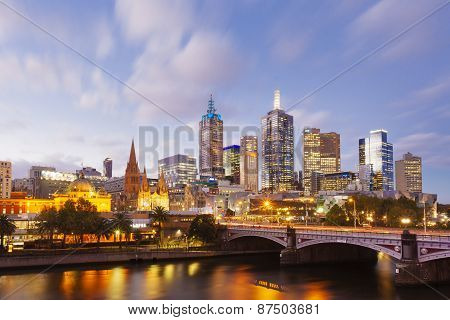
pixel 338 228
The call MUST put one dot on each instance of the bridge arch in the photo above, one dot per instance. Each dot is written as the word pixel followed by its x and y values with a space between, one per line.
pixel 264 236
pixel 392 253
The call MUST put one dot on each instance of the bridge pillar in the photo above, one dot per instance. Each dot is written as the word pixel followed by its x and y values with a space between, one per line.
pixel 289 256
pixel 409 271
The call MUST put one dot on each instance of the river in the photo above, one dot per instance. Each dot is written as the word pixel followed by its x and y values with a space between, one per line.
pixel 213 278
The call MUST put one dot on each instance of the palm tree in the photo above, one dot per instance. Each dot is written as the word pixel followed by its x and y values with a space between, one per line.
pixel 47 223
pixel 102 227
pixel 7 228
pixel 122 224
pixel 160 215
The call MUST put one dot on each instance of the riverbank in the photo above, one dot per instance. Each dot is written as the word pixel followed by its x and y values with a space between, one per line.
pixel 104 257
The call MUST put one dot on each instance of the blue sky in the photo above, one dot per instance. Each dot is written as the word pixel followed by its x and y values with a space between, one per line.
pixel 57 109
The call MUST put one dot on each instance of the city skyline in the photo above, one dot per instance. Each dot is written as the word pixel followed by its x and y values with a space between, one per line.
pixel 71 113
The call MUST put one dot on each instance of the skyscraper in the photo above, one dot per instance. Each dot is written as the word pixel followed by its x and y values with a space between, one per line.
pixel 408 173
pixel 378 152
pixel 107 167
pixel 231 163
pixel 277 144
pixel 211 144
pixel 178 169
pixel 5 179
pixel 249 163
pixel 321 155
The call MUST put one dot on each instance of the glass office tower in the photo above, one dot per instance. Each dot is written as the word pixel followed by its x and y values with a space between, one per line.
pixel 379 153
pixel 231 163
pixel 277 143
pixel 179 169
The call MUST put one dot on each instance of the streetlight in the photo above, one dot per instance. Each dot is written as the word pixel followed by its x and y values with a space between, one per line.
pixel 306 218
pixel 405 221
pixel 354 211
pixel 424 216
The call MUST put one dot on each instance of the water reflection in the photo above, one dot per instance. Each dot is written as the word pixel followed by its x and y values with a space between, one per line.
pixel 224 278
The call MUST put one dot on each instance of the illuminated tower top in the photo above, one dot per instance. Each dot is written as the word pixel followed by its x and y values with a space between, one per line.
pixel 211 108
pixel 276 100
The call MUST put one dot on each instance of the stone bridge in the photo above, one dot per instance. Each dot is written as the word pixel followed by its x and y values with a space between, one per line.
pixel 418 257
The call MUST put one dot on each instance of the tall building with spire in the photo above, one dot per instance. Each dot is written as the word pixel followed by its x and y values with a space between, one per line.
pixel 211 144
pixel 277 143
pixel 132 179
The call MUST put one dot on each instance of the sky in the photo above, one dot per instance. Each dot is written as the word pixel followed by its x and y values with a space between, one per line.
pixel 60 109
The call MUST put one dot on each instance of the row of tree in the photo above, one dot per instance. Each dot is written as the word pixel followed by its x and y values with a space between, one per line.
pixel 377 212
pixel 78 219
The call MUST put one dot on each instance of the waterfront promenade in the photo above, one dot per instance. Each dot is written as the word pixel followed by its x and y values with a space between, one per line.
pixel 94 256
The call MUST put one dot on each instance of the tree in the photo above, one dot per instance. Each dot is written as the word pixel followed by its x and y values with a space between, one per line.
pixel 203 227
pixel 47 223
pixel 122 224
pixel 102 227
pixel 7 228
pixel 160 216
pixel 66 220
pixel 336 216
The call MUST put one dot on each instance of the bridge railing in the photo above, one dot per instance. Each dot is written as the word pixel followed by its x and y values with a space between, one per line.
pixel 434 238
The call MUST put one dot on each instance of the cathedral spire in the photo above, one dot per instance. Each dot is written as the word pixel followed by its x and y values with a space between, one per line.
pixel 144 183
pixel 132 159
pixel 162 186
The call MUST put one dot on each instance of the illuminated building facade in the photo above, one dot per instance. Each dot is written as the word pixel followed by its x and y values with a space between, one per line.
pixel 231 163
pixel 20 203
pixel 46 181
pixel 378 152
pixel 83 188
pixel 150 197
pixel 336 181
pixel 5 179
pixel 179 169
pixel 211 144
pixel 321 155
pixel 277 145
pixel 249 163
pixel 107 168
pixel 408 174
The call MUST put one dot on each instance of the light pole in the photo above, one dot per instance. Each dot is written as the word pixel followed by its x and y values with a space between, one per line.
pixel 306 218
pixel 354 211
pixel 424 217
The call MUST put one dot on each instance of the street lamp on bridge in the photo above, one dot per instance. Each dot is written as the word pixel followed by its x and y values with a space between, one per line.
pixel 354 211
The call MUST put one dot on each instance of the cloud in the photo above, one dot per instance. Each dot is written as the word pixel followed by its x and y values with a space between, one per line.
pixel 431 146
pixel 429 97
pixel 387 18
pixel 180 64
pixel 289 47
pixel 38 74
pixel 142 19
pixel 307 118
pixel 102 94
pixel 106 42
